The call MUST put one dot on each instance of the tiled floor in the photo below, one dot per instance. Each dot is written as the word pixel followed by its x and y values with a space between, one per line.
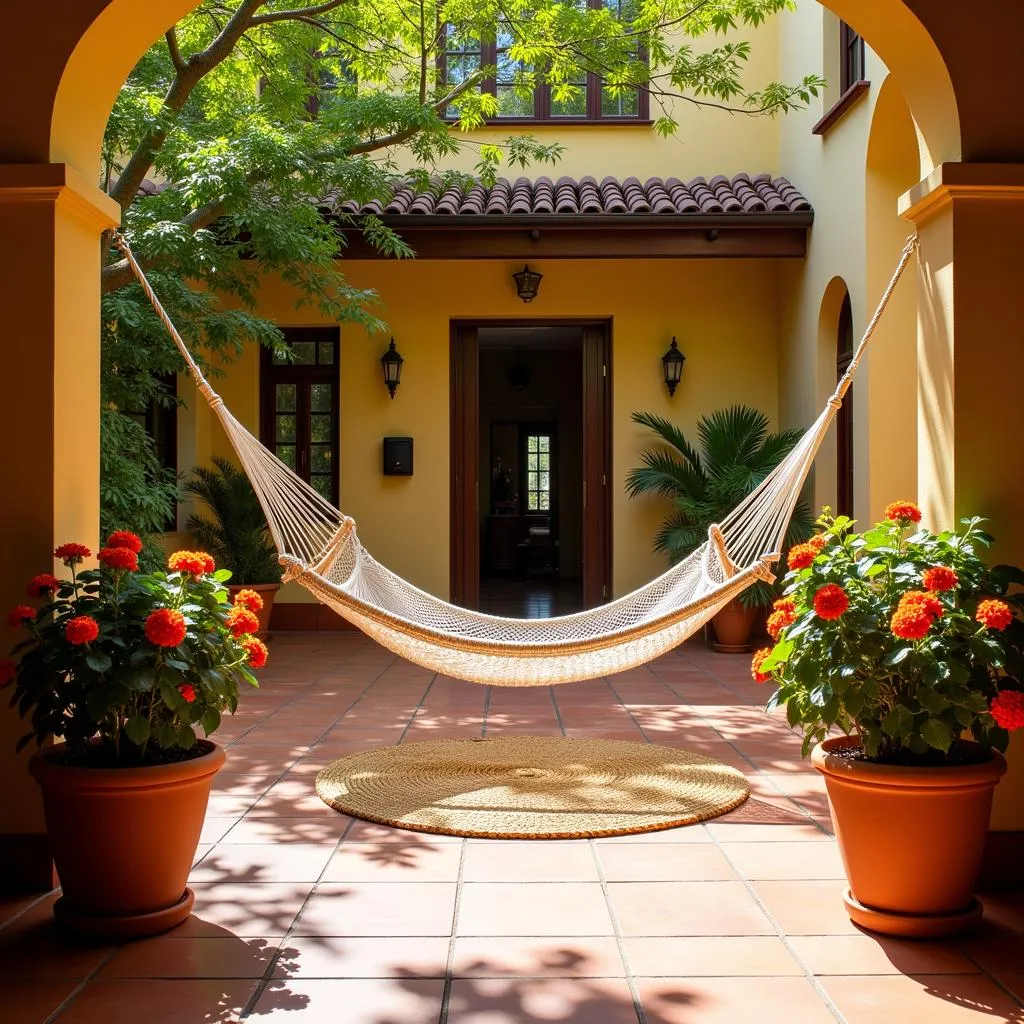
pixel 303 915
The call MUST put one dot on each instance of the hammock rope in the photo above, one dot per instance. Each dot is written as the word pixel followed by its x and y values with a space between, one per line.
pixel 320 549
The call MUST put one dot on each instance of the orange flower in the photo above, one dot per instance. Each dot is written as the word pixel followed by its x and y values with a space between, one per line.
pixel 125 539
pixel 801 555
pixel 242 621
pixel 910 622
pixel 20 615
pixel 44 583
pixel 195 562
pixel 903 512
pixel 755 665
pixel 82 629
pixel 928 603
pixel 72 553
pixel 831 601
pixel 939 578
pixel 188 692
pixel 8 672
pixel 818 541
pixel 165 627
pixel 119 558
pixel 1007 708
pixel 785 604
pixel 777 622
pixel 993 614
pixel 256 649
pixel 249 599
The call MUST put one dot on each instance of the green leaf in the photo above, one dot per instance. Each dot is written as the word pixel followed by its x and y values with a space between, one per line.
pixel 897 656
pixel 937 734
pixel 210 720
pixel 222 575
pixel 137 728
pixel 186 738
pixel 98 661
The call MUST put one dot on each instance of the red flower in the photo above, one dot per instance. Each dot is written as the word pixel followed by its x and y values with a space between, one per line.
pixel 20 614
pixel 939 578
pixel 928 603
pixel 125 539
pixel 165 627
pixel 755 665
pixel 82 629
pixel 1007 708
pixel 72 553
pixel 801 555
pixel 119 558
pixel 242 621
pixel 785 604
pixel 195 562
pixel 903 512
pixel 249 599
pixel 256 649
pixel 8 672
pixel 831 601
pixel 993 614
pixel 188 692
pixel 44 583
pixel 911 622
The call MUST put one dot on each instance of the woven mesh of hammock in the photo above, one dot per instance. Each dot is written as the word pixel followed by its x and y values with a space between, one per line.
pixel 320 549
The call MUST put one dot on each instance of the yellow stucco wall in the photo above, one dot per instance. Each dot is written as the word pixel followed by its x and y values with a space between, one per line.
pixel 722 312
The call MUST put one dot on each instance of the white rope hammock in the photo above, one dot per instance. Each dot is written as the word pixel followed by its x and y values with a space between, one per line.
pixel 320 549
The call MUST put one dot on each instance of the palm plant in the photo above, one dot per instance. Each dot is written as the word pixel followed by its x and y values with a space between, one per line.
pixel 735 453
pixel 237 535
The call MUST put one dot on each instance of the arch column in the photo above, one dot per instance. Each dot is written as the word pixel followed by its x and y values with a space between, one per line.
pixel 970 219
pixel 50 220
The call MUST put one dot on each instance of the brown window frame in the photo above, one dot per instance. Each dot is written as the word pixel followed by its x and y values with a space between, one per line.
pixel 542 94
pixel 303 375
pixel 851 57
pixel 844 417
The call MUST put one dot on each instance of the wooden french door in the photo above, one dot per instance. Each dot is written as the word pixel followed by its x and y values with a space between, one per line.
pixel 465 442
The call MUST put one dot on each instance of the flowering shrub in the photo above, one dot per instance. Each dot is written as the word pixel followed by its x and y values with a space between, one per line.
pixel 124 666
pixel 904 638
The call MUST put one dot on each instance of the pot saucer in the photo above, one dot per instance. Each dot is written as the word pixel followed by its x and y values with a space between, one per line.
pixel 912 926
pixel 127 926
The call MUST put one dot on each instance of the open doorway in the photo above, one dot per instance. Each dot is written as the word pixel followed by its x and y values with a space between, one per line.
pixel 529 448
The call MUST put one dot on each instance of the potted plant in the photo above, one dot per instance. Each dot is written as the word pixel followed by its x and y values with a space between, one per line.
pixel 735 452
pixel 122 667
pixel 910 646
pixel 237 534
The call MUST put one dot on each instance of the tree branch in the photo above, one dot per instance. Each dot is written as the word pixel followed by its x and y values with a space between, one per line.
pixel 171 36
pixel 299 14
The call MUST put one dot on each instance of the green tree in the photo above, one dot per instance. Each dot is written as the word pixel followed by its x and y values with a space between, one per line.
pixel 259 117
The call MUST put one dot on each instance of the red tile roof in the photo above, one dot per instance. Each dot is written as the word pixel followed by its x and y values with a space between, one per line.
pixel 543 197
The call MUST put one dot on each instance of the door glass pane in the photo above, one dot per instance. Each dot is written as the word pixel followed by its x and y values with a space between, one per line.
pixel 545 501
pixel 325 353
pixel 320 398
pixel 286 453
pixel 320 458
pixel 320 429
pixel 531 481
pixel 544 462
pixel 531 502
pixel 285 428
pixel 545 443
pixel 305 353
pixel 285 398
pixel 322 484
pixel 531 443
pixel 531 461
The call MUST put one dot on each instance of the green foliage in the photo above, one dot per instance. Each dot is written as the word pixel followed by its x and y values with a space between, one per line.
pixel 734 453
pixel 908 699
pixel 237 535
pixel 121 698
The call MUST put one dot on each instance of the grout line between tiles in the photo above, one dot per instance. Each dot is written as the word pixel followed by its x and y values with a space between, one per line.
pixel 449 968
pixel 81 986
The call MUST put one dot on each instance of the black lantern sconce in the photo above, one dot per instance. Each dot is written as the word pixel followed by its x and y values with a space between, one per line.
pixel 392 363
pixel 527 284
pixel 672 366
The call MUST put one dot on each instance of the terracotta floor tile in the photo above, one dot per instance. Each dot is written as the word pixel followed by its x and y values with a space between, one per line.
pixel 395 862
pixel 533 909
pixel 215 828
pixel 379 908
pixel 370 832
pixel 262 862
pixel 680 834
pixel 710 956
pixel 935 999
pixel 664 862
pixel 993 948
pixel 683 1000
pixel 192 956
pixel 529 862
pixel 785 860
pixel 807 907
pixel 544 1001
pixel 351 1001
pixel 248 910
pixel 327 828
pixel 35 949
pixel 687 908
pixel 13 906
pixel 159 1002
pixel 876 954
pixel 554 957
pixel 732 832
pixel 363 957
pixel 30 1001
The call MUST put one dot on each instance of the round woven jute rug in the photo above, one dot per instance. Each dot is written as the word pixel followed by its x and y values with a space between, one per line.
pixel 531 787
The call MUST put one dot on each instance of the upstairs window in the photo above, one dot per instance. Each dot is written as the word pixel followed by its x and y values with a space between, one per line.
pixel 539 471
pixel 851 57
pixel 590 100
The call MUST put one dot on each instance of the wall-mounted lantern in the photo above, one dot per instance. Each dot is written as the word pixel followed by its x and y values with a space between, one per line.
pixel 392 363
pixel 527 283
pixel 672 366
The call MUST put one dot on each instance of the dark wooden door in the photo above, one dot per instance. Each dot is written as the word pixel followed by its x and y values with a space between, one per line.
pixel 465 472
pixel 597 514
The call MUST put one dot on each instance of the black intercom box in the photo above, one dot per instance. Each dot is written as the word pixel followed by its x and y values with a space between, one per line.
pixel 398 456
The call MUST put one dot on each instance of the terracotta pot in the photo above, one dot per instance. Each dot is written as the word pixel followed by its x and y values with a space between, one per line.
pixel 911 839
pixel 267 591
pixel 123 840
pixel 732 628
